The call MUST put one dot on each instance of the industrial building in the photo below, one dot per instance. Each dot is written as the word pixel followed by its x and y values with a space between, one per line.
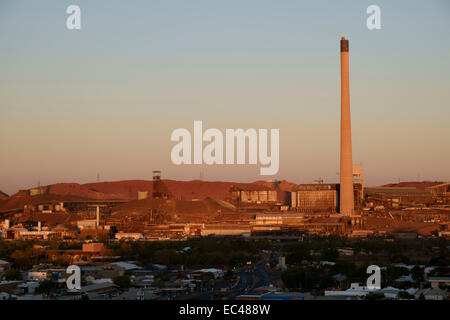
pixel 441 192
pixel 253 196
pixel 396 197
pixel 312 198
pixel 278 219
pixel 225 230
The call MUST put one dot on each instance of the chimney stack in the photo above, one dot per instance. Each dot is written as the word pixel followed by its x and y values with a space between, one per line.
pixel 98 217
pixel 346 171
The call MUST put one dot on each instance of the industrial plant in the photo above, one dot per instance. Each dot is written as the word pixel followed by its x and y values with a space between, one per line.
pixel 106 227
pixel 166 209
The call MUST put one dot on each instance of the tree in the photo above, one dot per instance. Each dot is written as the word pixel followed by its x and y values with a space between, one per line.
pixel 228 274
pixel 12 274
pixel 25 259
pixel 62 260
pixel 306 279
pixel 45 287
pixel 123 282
pixel 330 254
pixel 417 274
pixel 405 295
pixel 374 296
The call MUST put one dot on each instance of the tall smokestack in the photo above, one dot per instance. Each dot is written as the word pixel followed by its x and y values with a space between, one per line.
pixel 346 174
pixel 97 217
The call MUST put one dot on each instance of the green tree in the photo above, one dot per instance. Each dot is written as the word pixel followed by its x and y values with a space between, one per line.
pixel 12 274
pixel 417 274
pixel 123 282
pixel 45 287
pixel 374 296
pixel 405 295
pixel 330 254
pixel 228 274
pixel 62 260
pixel 25 259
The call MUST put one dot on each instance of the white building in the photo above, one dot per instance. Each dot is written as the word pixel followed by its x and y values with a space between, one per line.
pixel 129 236
pixel 37 275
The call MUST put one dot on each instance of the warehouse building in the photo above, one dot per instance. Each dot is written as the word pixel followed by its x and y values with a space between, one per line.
pixel 253 196
pixel 311 198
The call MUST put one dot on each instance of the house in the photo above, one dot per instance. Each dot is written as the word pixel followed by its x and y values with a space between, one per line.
pixel 217 273
pixel 107 271
pixel 7 296
pixel 10 287
pixel 438 282
pixel 101 288
pixel 389 292
pixel 143 281
pixel 432 294
pixel 345 251
pixel 37 275
pixel 28 287
pixel 405 278
pixel 127 267
pixel 4 265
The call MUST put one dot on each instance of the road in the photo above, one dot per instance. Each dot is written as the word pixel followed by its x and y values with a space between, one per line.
pixel 250 277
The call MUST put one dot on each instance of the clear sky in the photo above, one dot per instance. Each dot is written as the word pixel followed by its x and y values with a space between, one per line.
pixel 106 98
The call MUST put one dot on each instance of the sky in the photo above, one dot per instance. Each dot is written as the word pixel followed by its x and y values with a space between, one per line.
pixel 105 99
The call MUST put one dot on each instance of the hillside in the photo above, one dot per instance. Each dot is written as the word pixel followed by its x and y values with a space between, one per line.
pixel 128 190
pixel 3 196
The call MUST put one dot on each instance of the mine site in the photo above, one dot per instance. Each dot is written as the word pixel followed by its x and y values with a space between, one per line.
pixel 161 209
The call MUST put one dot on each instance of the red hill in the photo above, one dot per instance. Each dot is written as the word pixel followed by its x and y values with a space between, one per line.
pixel 128 189
pixel 3 196
pixel 413 184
